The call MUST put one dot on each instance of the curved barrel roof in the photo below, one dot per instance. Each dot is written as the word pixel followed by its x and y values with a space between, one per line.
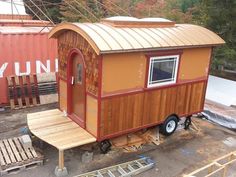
pixel 105 38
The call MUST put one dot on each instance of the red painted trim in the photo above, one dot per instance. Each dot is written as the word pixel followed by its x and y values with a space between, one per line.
pixel 164 53
pixel 127 131
pixel 139 128
pixel 175 84
pixel 62 79
pixel 58 85
pixel 123 92
pixel 99 95
pixel 151 89
pixel 72 53
pixel 196 112
pixel 92 95
pixel 208 72
pixel 178 71
pixel 147 71
pixel 76 120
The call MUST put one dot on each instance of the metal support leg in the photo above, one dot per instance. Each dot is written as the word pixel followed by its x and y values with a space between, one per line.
pixel 158 134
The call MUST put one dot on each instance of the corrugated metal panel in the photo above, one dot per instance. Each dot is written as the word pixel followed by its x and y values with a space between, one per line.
pixel 18 29
pixel 22 48
pixel 110 39
pixel 20 22
pixel 96 38
pixel 14 16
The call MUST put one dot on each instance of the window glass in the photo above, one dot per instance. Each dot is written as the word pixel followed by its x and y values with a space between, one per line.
pixel 79 73
pixel 163 70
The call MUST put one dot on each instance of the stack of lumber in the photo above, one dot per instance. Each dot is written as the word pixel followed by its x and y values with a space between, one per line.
pixel 219 167
pixel 134 141
pixel 47 86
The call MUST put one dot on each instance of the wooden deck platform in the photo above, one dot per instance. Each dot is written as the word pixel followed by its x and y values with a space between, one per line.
pixel 59 131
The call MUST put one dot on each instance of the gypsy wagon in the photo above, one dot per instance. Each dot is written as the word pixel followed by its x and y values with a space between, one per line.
pixel 125 74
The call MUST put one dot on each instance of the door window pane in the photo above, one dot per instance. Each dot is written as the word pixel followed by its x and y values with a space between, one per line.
pixel 79 72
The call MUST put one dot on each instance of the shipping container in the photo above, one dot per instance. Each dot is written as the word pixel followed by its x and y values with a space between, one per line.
pixel 24 23
pixel 25 50
pixel 14 16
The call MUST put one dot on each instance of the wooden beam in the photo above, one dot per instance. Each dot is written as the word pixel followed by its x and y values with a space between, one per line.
pixel 230 158
pixel 61 159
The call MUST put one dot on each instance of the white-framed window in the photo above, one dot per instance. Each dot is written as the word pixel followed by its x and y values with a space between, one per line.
pixel 163 70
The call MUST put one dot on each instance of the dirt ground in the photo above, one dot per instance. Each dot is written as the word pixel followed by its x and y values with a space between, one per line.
pixel 179 154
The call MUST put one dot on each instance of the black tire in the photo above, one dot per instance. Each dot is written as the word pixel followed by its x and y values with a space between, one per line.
pixel 187 123
pixel 169 126
pixel 105 146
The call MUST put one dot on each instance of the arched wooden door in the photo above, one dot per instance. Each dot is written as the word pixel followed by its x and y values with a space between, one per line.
pixel 76 87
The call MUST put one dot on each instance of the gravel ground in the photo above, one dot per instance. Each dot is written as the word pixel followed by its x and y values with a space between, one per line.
pixel 179 154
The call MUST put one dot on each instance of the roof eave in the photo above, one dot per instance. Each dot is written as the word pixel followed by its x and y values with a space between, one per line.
pixel 59 29
pixel 159 48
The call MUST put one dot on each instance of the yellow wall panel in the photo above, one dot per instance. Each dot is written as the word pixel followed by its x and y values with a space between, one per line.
pixel 91 115
pixel 122 72
pixel 194 64
pixel 63 95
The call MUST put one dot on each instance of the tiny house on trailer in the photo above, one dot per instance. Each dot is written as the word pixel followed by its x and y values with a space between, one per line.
pixel 122 75
pixel 125 74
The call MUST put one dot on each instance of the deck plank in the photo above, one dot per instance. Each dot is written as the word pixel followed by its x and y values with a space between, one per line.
pixel 33 152
pixel 2 161
pixel 56 129
pixel 40 115
pixel 27 152
pixel 10 153
pixel 47 123
pixel 17 155
pixel 60 131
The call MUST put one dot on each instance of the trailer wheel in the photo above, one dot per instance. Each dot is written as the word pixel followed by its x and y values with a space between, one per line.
pixel 169 126
pixel 187 122
pixel 105 146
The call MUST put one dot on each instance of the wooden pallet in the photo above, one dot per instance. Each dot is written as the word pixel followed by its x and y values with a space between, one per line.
pixel 23 91
pixel 14 157
pixel 218 167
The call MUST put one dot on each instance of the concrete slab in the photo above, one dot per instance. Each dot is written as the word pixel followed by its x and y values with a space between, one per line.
pixel 61 172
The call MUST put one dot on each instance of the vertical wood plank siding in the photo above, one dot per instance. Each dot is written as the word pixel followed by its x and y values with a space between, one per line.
pixel 126 112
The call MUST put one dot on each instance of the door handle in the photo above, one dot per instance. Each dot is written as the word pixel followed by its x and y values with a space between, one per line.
pixel 72 80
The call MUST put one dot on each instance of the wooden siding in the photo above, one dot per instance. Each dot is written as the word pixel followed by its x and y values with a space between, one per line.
pixel 69 40
pixel 126 112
